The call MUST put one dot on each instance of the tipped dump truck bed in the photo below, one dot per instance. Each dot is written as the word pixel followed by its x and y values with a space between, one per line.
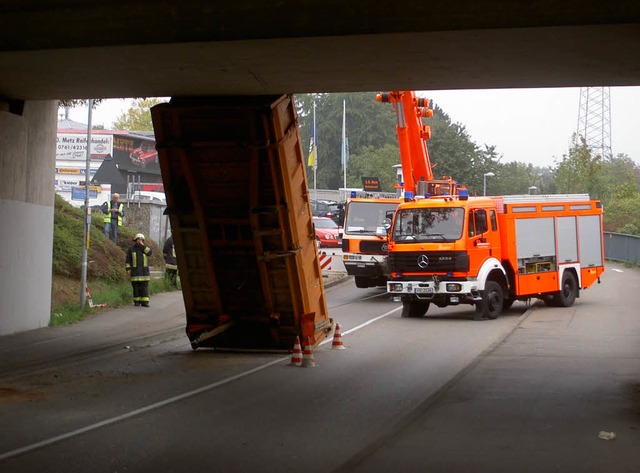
pixel 238 201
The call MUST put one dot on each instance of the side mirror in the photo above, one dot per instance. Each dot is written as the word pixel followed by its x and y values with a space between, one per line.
pixel 386 223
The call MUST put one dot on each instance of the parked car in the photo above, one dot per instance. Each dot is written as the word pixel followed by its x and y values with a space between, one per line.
pixel 327 232
pixel 324 208
pixel 336 212
pixel 148 196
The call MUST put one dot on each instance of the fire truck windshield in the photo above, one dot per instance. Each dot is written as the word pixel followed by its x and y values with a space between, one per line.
pixel 367 217
pixel 428 224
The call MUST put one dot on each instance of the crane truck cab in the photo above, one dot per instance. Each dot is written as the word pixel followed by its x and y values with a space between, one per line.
pixel 364 240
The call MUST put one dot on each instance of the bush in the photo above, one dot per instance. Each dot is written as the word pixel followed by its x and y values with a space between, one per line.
pixel 620 213
pixel 106 259
pixel 630 229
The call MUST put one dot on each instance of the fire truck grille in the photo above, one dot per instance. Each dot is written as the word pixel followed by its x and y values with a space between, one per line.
pixel 378 247
pixel 429 261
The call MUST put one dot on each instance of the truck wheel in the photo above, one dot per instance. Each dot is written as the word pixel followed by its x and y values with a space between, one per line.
pixel 568 291
pixel 492 301
pixel 508 302
pixel 362 282
pixel 414 308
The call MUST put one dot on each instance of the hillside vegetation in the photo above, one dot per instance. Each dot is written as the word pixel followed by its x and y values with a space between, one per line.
pixel 106 276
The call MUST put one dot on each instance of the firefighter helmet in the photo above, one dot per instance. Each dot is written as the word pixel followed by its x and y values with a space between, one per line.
pixel 138 235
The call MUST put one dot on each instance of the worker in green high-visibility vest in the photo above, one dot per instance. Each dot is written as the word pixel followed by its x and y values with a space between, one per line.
pixel 114 211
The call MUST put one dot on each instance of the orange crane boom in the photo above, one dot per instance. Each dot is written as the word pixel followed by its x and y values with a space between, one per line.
pixel 412 135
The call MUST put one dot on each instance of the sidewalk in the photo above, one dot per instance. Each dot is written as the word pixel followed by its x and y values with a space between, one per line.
pixel 31 350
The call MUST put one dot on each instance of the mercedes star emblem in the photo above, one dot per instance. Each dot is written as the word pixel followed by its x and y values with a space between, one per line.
pixel 423 261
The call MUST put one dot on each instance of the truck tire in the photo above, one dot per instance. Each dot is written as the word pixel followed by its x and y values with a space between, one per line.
pixel 414 308
pixel 507 302
pixel 492 301
pixel 568 291
pixel 362 282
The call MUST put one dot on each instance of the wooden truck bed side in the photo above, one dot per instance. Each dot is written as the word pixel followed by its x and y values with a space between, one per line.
pixel 237 197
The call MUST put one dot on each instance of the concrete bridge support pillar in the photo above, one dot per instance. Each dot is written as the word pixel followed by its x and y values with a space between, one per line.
pixel 27 162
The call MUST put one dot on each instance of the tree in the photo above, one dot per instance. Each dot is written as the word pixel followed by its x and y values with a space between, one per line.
pixel 621 178
pixel 369 125
pixel 78 103
pixel 376 162
pixel 580 172
pixel 452 153
pixel 623 215
pixel 372 125
pixel 138 117
pixel 65 105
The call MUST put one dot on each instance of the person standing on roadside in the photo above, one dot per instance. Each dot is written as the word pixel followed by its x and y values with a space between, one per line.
pixel 114 211
pixel 137 266
pixel 170 262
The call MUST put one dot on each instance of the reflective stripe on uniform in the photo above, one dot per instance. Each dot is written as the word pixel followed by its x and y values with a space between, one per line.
pixel 140 278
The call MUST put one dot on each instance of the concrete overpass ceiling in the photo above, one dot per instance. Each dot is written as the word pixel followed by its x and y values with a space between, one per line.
pixel 77 49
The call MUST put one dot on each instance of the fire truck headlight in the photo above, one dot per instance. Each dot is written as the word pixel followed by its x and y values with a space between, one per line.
pixel 454 287
pixel 395 287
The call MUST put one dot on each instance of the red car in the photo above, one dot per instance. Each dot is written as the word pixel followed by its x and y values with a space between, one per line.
pixel 327 233
pixel 145 154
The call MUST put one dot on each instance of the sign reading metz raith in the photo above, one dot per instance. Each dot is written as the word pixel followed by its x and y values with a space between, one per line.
pixel 74 146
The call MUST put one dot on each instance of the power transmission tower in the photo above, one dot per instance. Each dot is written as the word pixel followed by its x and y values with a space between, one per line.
pixel 594 120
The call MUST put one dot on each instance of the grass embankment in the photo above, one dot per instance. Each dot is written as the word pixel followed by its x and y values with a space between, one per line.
pixel 106 276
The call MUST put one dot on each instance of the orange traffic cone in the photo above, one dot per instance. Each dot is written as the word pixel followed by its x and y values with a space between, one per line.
pixel 296 355
pixel 307 355
pixel 337 339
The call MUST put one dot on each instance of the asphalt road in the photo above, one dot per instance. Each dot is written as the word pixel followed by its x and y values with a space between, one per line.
pixel 153 404
pixel 276 418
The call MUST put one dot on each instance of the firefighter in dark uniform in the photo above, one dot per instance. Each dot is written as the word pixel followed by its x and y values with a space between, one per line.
pixel 137 265
pixel 170 262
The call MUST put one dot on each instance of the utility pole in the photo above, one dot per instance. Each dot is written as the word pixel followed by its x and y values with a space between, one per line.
pixel 87 214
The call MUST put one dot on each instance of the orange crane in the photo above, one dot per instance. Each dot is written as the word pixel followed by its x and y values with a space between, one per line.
pixel 364 242
pixel 417 170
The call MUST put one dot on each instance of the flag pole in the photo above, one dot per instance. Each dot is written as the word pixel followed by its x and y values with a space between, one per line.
pixel 315 153
pixel 344 145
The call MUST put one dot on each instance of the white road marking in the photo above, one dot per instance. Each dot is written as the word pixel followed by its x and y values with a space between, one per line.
pixel 171 400
pixel 358 327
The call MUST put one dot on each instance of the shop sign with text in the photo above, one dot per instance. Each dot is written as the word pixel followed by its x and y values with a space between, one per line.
pixel 74 146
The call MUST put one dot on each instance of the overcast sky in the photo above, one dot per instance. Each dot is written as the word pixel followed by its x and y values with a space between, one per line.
pixel 526 125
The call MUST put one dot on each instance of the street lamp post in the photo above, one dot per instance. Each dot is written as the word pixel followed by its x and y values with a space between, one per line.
pixel 532 188
pixel 486 174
